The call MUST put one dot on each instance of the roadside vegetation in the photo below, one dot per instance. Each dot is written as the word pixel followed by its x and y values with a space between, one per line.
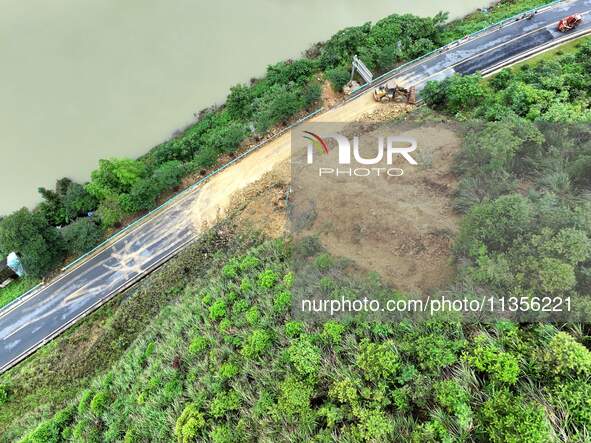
pixel 228 363
pixel 54 375
pixel 73 217
pixel 15 289
pixel 554 90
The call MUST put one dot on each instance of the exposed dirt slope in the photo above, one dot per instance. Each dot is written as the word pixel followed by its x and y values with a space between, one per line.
pixel 411 246
pixel 400 227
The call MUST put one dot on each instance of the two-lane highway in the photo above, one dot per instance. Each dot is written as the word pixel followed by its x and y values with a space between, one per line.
pixel 28 324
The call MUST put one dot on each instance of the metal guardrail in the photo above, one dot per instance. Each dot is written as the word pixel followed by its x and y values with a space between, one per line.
pixel 16 301
pixel 353 95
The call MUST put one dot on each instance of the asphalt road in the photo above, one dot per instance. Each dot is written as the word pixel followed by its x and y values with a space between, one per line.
pixel 34 320
pixel 488 50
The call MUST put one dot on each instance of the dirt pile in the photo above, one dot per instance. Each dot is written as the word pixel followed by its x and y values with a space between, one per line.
pixel 386 112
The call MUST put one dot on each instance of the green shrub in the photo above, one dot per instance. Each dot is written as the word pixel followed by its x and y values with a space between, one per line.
pixel 332 332
pixel 288 280
pixel 189 424
pixel 231 269
pixel 565 357
pixel 228 370
pixel 338 77
pixel 378 360
pixel 225 138
pixel 267 278
pixel 450 395
pixel 433 431
pixel 294 397
pixel 282 301
pixel 218 310
pixel 506 418
pixel 500 366
pixel 50 431
pixel 291 71
pixel 293 328
pixel 456 93
pixel 323 262
pixel 434 352
pixel 224 403
pixel 258 342
pixel 496 224
pixel 249 262
pixel 245 284
pixel 222 434
pixel 99 402
pixel 374 425
pixel 311 94
pixel 252 315
pixel 198 345
pixel 305 357
pixel 279 103
pixel 501 80
pixel 206 157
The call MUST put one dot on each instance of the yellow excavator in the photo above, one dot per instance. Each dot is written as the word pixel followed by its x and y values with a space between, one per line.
pixel 391 92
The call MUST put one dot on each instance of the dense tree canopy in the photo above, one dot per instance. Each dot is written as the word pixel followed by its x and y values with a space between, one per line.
pixel 39 245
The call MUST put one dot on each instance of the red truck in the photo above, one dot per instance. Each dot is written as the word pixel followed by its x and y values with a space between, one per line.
pixel 570 22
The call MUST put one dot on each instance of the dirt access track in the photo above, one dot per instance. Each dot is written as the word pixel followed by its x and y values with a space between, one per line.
pixel 215 196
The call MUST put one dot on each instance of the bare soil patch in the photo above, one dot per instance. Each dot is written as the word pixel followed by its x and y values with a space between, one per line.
pixel 262 205
pixel 329 96
pixel 400 227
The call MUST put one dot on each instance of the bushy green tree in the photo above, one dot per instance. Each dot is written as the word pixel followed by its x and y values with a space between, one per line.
pixel 279 103
pixel 339 49
pixel 115 176
pixel 64 204
pixel 240 102
pixel 39 245
pixel 225 138
pixel 109 212
pixel 81 236
pixel 77 202
pixel 338 77
pixel 292 71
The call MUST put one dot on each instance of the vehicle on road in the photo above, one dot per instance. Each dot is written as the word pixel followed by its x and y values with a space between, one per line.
pixel 392 92
pixel 570 22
